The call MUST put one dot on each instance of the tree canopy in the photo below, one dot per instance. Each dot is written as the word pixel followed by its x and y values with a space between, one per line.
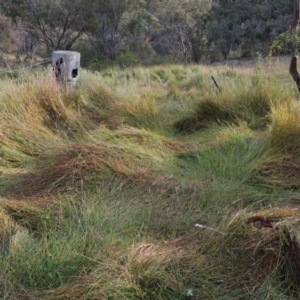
pixel 185 30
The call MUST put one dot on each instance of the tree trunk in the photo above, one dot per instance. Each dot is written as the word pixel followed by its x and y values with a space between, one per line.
pixel 294 71
pixel 196 51
pixel 294 60
pixel 225 54
pixel 295 21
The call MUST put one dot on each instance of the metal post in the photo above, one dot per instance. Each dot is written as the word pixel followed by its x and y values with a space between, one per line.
pixel 66 65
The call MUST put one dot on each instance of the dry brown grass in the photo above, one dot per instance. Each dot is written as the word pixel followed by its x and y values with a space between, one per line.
pixel 257 252
pixel 79 166
pixel 136 272
pixel 280 166
pixel 135 238
pixel 34 216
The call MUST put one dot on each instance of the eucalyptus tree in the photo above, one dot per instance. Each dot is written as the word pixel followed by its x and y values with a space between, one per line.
pixel 244 23
pixel 180 27
pixel 109 26
pixel 56 24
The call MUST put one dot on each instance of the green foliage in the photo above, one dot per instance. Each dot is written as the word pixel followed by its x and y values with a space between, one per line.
pixel 125 33
pixel 285 43
pixel 124 59
pixel 108 26
pixel 183 24
pixel 52 23
pixel 247 23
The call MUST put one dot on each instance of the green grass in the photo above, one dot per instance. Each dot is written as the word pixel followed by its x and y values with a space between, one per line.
pixel 150 183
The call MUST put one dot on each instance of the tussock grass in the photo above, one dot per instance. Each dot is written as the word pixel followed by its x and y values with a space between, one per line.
pixel 7 228
pixel 280 166
pixel 252 250
pixel 266 247
pixel 30 217
pixel 144 272
pixel 142 113
pixel 96 101
pixel 77 166
pixel 102 188
pixel 252 104
pixel 206 112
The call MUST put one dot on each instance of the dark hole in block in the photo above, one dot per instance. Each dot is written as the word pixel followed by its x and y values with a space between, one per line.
pixel 61 60
pixel 74 73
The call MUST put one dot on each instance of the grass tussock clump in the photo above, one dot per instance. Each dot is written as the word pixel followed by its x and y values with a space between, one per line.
pixel 7 229
pixel 55 110
pixel 256 105
pixel 251 104
pixel 36 102
pixel 284 135
pixel 35 218
pixel 80 166
pixel 280 166
pixel 266 247
pixel 255 256
pixel 172 73
pixel 144 271
pixel 141 113
pixel 151 140
pixel 28 141
pixel 96 102
pixel 207 111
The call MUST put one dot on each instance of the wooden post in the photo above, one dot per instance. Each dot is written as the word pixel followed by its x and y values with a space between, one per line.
pixel 66 65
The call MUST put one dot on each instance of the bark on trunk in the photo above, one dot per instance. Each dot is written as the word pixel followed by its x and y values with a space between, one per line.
pixel 294 60
pixel 294 70
pixel 295 21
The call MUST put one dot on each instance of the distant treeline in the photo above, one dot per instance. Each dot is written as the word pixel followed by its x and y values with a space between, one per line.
pixel 146 31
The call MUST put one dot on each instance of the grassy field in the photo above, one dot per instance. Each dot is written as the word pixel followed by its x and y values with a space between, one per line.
pixel 151 183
